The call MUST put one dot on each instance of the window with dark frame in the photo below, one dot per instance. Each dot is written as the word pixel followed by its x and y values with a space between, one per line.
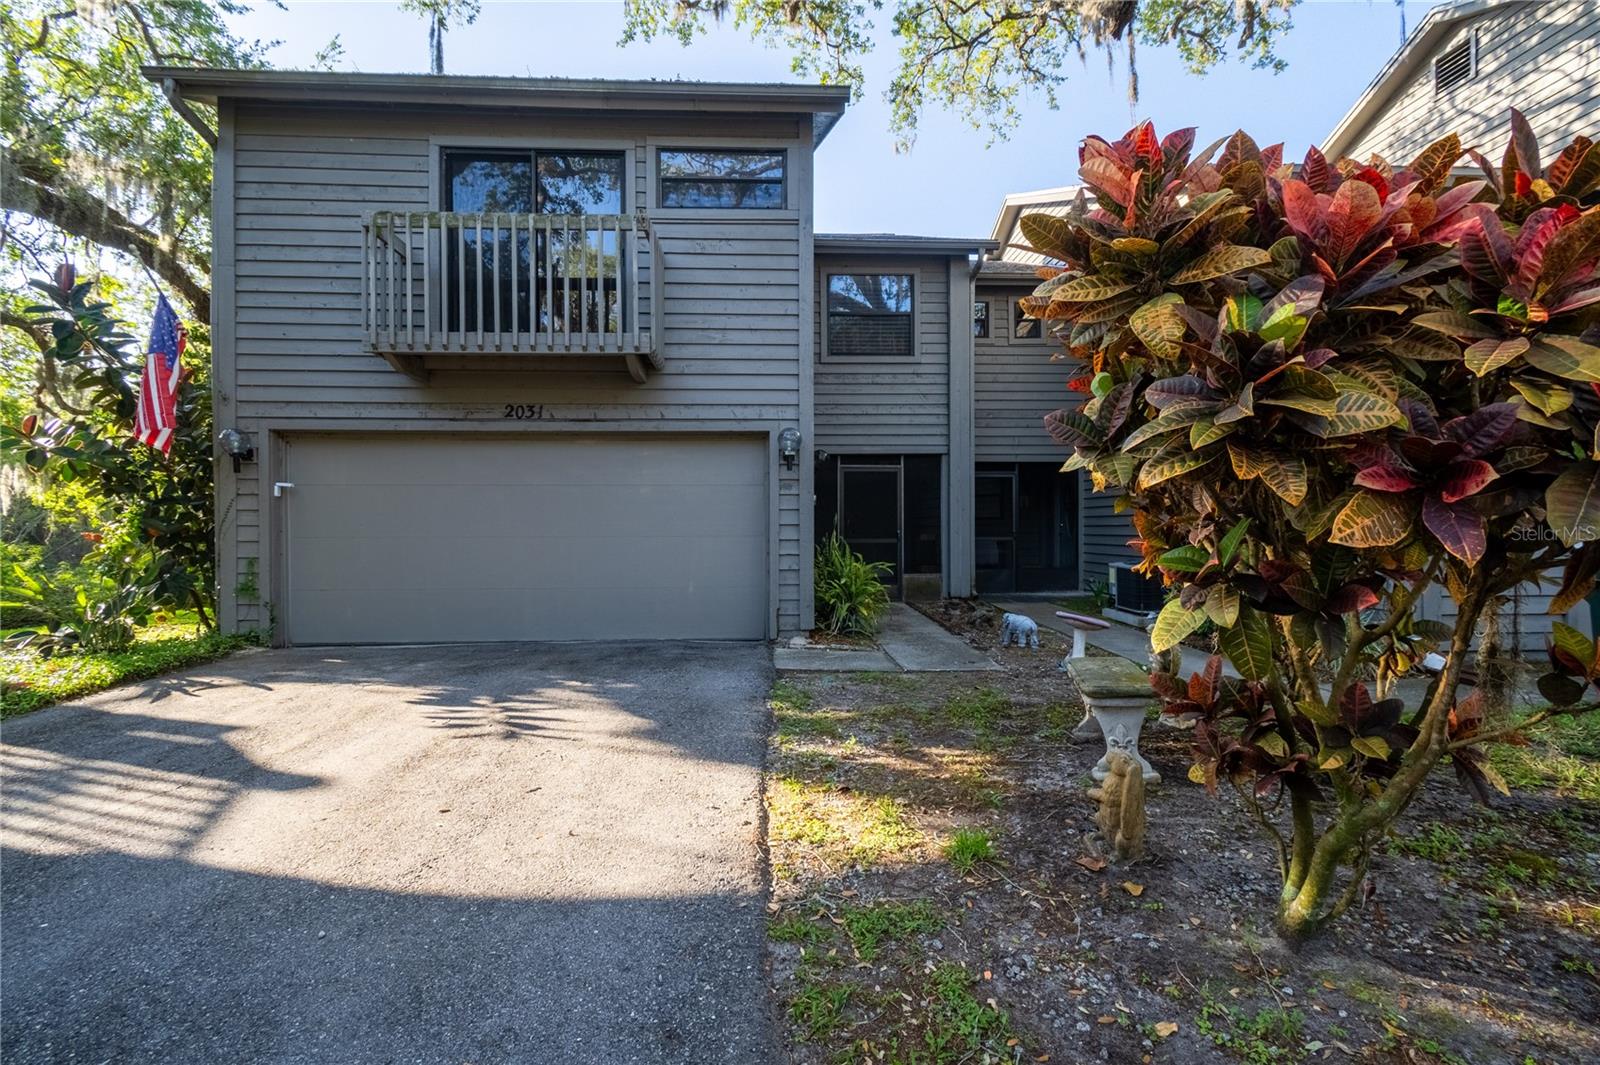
pixel 980 319
pixel 870 315
pixel 1023 327
pixel 549 182
pixel 702 177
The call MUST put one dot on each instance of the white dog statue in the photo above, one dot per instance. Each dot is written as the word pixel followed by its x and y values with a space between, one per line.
pixel 1024 630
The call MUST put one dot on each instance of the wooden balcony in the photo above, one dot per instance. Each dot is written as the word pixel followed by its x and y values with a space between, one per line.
pixel 500 286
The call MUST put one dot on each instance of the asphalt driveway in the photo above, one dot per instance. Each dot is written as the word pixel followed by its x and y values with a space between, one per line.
pixel 480 854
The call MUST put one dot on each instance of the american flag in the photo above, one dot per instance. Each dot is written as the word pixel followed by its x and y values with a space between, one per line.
pixel 158 394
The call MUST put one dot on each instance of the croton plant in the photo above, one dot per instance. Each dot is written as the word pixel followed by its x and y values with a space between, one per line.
pixel 1320 389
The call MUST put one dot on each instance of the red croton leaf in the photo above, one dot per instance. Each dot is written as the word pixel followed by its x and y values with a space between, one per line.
pixel 1146 146
pixel 1355 209
pixel 1303 210
pixel 1354 705
pixel 1315 171
pixel 1386 479
pixel 1458 527
pixel 1351 598
pixel 1372 176
pixel 1465 478
pixel 1466 717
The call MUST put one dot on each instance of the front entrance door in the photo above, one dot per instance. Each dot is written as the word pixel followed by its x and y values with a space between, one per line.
pixel 996 532
pixel 1026 528
pixel 869 515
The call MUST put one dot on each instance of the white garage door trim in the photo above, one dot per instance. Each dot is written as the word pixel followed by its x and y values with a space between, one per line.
pixel 673 532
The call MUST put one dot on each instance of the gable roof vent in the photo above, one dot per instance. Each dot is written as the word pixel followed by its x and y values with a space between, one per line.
pixel 1456 65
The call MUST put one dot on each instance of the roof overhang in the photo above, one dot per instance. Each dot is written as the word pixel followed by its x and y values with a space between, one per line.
pixel 1012 206
pixel 897 244
pixel 824 103
pixel 1398 71
pixel 1003 271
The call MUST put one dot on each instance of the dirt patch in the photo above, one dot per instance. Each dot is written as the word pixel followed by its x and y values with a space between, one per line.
pixel 936 896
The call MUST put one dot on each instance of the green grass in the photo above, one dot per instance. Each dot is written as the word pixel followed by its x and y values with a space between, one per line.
pixel 1564 755
pixel 873 926
pixel 797 928
pixel 818 1009
pixel 968 847
pixel 1267 1036
pixel 1085 604
pixel 1436 843
pixel 980 709
pixel 958 1026
pixel 32 682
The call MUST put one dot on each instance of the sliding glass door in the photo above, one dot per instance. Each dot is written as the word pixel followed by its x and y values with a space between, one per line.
pixel 509 298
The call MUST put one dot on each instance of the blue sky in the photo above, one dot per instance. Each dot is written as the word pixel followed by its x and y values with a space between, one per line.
pixel 951 182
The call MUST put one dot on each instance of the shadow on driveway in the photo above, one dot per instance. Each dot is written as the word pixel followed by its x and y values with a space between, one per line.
pixel 497 853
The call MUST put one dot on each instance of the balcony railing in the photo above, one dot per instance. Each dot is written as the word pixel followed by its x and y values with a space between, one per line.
pixel 458 283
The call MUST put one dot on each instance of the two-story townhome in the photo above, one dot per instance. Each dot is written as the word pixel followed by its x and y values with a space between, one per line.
pixel 523 359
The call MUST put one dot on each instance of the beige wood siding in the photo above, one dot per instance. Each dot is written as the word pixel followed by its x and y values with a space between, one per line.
pixel 1542 58
pixel 889 405
pixel 301 178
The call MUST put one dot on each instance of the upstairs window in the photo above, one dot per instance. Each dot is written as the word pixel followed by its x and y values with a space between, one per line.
pixel 1457 65
pixel 870 315
pixel 1023 327
pixel 695 177
pixel 980 319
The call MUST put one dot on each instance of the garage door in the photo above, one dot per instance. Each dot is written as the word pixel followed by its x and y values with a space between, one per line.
pixel 415 538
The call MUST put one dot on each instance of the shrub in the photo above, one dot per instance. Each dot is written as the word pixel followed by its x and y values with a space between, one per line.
pixel 1320 390
pixel 851 596
pixel 93 611
pixel 161 504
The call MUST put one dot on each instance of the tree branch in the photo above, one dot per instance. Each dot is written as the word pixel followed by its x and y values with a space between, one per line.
pixel 1549 713
pixel 33 330
pixel 83 214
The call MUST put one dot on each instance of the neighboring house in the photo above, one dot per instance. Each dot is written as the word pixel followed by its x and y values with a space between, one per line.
pixel 1462 70
pixel 1466 65
pixel 555 359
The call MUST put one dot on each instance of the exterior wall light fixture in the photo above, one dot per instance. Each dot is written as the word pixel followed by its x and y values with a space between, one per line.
pixel 789 446
pixel 237 445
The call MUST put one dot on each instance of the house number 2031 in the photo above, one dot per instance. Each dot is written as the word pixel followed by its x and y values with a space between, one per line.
pixel 525 412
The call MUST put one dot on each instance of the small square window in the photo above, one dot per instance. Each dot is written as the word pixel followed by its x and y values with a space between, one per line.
pixel 980 319
pixel 1023 327
pixel 870 315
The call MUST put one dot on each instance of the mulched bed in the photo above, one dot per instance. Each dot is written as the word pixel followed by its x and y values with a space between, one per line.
pixel 1480 944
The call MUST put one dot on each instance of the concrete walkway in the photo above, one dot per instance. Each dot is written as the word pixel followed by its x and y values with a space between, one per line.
pixel 1123 640
pixel 908 641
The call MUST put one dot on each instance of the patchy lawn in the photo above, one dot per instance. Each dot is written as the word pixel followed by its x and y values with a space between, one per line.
pixel 936 898
pixel 29 682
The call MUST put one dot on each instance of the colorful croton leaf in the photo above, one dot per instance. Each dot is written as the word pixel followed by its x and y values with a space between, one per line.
pixel 1320 390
